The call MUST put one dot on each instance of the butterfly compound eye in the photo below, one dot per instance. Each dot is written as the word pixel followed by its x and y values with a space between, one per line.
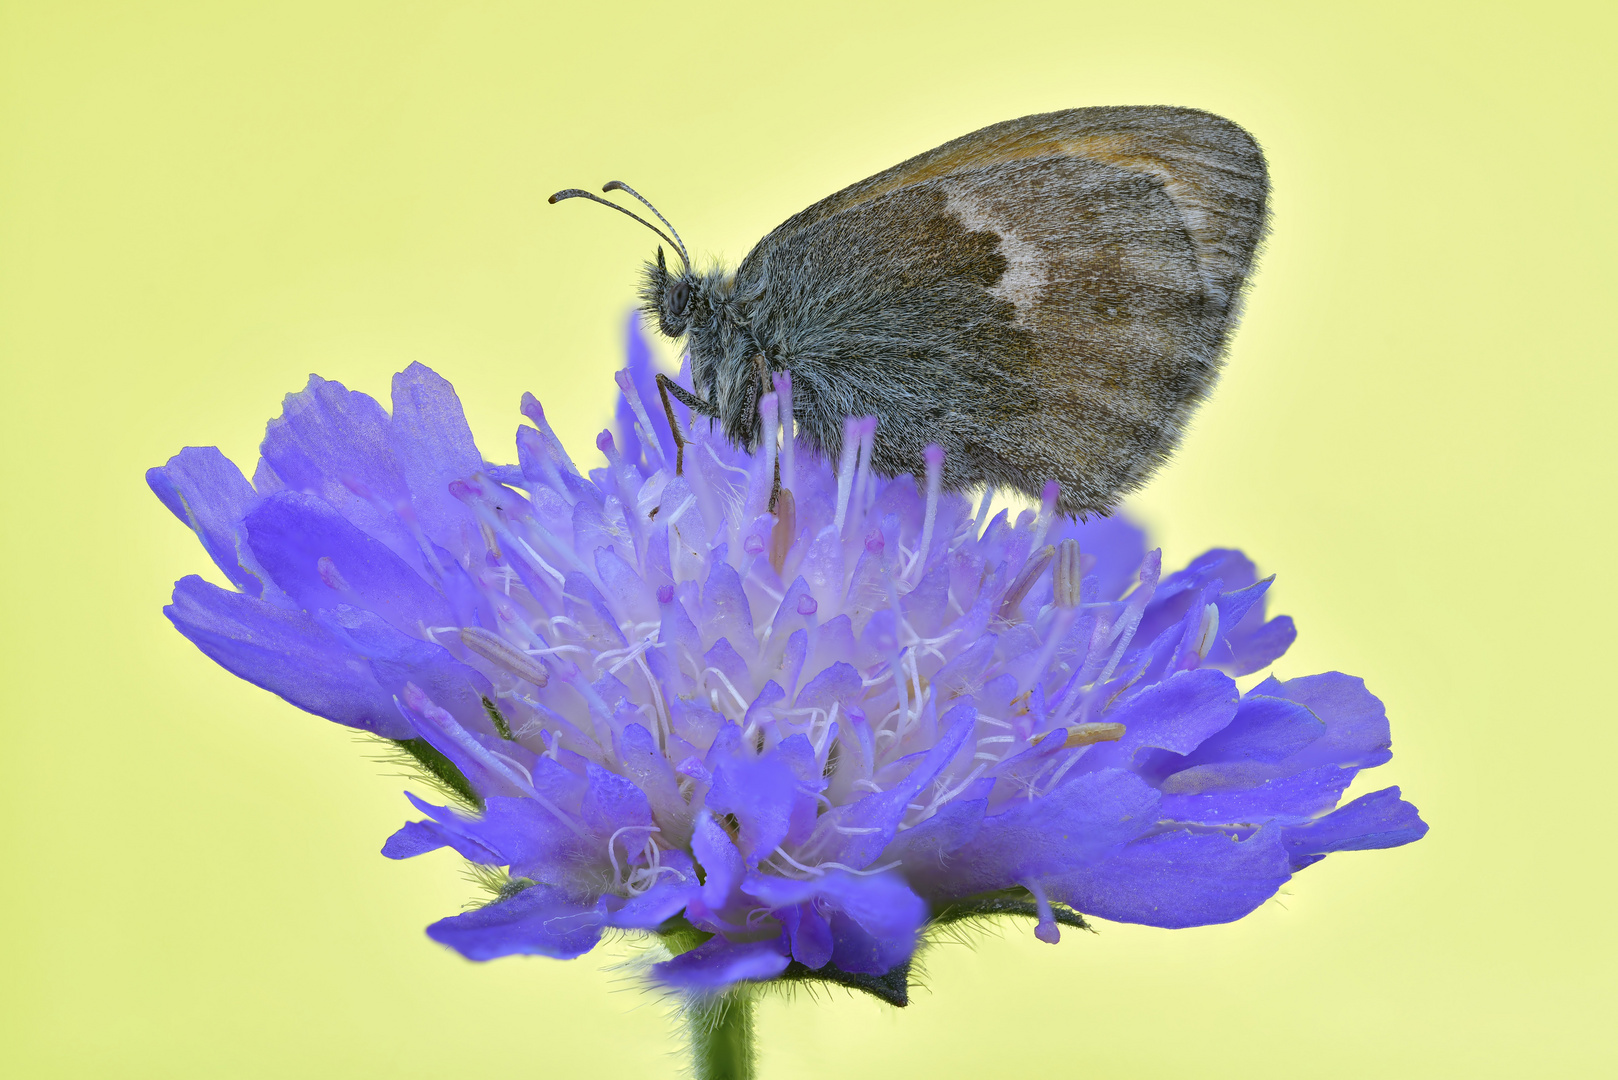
pixel 679 297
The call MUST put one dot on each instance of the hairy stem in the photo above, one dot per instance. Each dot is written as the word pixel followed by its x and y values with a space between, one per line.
pixel 721 1032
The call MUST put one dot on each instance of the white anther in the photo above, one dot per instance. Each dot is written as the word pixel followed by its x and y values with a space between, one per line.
pixel 500 652
pixel 845 471
pixel 1068 576
pixel 1035 566
pixel 1208 632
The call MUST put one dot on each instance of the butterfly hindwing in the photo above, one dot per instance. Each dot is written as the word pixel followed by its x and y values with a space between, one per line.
pixel 1045 298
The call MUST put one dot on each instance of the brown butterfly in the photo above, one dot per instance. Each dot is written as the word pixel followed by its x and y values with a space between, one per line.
pixel 1048 298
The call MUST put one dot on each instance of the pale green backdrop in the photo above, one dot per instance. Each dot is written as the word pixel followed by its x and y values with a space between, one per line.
pixel 201 203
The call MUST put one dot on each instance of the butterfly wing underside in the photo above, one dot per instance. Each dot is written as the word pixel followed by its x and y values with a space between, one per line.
pixel 1047 298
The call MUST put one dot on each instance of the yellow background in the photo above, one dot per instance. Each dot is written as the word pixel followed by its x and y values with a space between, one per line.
pixel 201 203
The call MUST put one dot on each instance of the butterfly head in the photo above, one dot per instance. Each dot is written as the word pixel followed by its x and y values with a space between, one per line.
pixel 729 381
pixel 676 299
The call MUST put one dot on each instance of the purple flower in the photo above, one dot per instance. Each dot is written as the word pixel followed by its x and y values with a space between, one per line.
pixel 790 741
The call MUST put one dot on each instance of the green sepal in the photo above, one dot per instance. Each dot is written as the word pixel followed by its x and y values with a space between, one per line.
pixel 496 881
pixel 441 771
pixel 893 988
pixel 679 936
pixel 1016 901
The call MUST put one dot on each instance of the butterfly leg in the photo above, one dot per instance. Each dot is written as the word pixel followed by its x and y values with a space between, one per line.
pixel 665 387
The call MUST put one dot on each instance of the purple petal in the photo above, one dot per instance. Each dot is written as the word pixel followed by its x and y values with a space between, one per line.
pixel 930 844
pixel 512 832
pixel 322 560
pixel 332 442
pixel 1356 724
pixel 1178 879
pixel 1176 715
pixel 1257 649
pixel 856 948
pixel 717 963
pixel 722 864
pixel 612 804
pixel 882 811
pixel 664 900
pixel 840 683
pixel 1233 795
pixel 539 921
pixel 1266 730
pixel 725 608
pixel 433 445
pixel 644 764
pixel 286 653
pixel 1079 822
pixel 1378 820
pixel 644 377
pixel 759 793
pixel 1120 548
pixel 876 916
pixel 398 658
pixel 810 935
pixel 206 491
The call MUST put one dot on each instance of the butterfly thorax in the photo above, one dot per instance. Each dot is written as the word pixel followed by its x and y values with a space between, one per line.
pixel 715 319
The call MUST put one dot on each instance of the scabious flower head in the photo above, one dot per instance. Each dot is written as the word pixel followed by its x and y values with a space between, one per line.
pixel 788 740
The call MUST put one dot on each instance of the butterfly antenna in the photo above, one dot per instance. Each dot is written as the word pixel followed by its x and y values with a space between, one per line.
pixel 575 193
pixel 619 185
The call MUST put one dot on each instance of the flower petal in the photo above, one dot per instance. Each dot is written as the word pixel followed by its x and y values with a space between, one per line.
pixel 759 793
pixel 1233 797
pixel 433 445
pixel 321 560
pixel 332 442
pixel 287 653
pixel 1178 879
pixel 1177 715
pixel 206 491
pixel 1042 838
pixel 717 963
pixel 874 920
pixel 854 834
pixel 512 832
pixel 539 921
pixel 664 900
pixel 1378 820
pixel 722 865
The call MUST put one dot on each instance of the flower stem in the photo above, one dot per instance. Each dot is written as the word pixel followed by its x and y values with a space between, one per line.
pixel 721 1030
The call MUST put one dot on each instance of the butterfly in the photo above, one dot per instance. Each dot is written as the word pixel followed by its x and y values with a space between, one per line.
pixel 1047 298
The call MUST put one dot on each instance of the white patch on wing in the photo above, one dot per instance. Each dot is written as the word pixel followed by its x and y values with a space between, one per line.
pixel 1026 269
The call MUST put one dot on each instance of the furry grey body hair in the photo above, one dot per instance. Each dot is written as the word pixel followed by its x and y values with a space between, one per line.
pixel 1047 298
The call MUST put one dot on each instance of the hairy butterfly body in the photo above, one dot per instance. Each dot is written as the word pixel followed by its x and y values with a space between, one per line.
pixel 1046 298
